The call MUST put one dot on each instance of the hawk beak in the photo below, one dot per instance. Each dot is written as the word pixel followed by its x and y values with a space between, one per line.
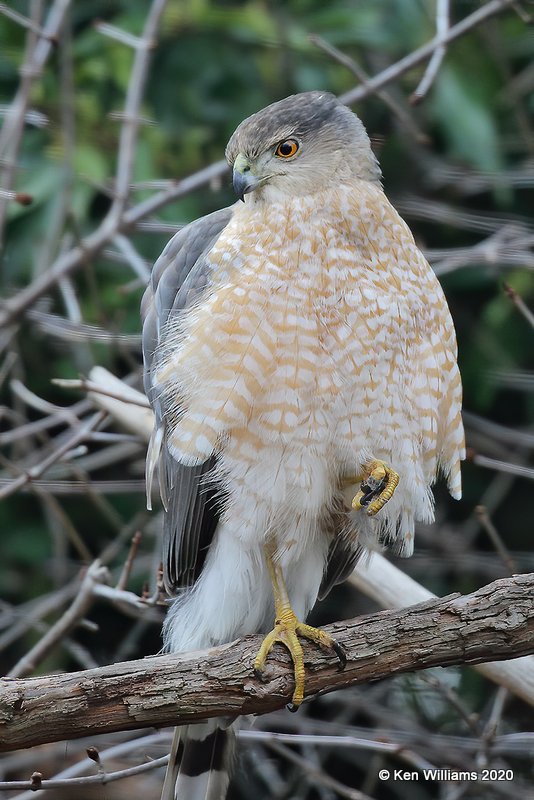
pixel 242 179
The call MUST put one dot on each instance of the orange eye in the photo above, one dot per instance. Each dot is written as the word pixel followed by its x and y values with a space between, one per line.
pixel 287 149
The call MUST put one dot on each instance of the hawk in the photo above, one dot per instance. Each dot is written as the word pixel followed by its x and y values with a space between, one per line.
pixel 301 362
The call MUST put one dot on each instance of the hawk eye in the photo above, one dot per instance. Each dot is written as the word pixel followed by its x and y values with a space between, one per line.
pixel 287 149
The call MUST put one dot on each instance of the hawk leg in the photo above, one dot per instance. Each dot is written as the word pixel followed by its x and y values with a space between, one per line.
pixel 377 487
pixel 286 631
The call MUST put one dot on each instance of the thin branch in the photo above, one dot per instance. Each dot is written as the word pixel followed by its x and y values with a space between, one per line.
pixel 28 614
pixel 503 466
pixel 181 689
pixel 400 112
pixel 496 540
pixel 407 63
pixel 70 416
pixel 91 246
pixel 431 72
pixel 101 778
pixel 130 254
pixel 20 19
pixel 134 96
pixel 72 332
pixel 124 577
pixel 22 198
pixel 65 487
pixel 519 303
pixel 131 397
pixel 96 574
pixel 501 433
pixel 31 474
pixel 111 754
pixel 313 774
pixel 12 130
pixel 335 742
pixel 135 42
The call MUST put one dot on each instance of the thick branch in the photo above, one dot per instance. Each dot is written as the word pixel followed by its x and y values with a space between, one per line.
pixel 496 622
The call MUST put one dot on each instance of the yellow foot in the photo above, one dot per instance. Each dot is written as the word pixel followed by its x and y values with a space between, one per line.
pixel 287 629
pixel 376 489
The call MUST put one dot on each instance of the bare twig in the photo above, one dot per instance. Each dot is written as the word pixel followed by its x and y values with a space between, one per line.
pixel 110 754
pixel 134 96
pixel 92 245
pixel 496 540
pixel 24 617
pixel 101 778
pixel 487 738
pixel 350 742
pixel 503 466
pixel 70 416
pixel 442 26
pixel 132 396
pixel 124 577
pixel 519 303
pixel 400 112
pixel 25 22
pixel 312 773
pixel 31 474
pixel 393 72
pixel 135 42
pixel 65 487
pixel 95 574
pixel 39 47
pixel 18 197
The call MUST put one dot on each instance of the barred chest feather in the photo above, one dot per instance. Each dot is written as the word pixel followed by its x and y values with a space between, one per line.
pixel 323 340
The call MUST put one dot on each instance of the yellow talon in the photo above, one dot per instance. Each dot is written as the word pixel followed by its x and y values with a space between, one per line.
pixel 376 489
pixel 287 629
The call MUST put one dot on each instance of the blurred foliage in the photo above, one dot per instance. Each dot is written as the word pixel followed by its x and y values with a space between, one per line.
pixel 215 63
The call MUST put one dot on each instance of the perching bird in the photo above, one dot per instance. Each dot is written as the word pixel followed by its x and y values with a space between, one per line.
pixel 300 359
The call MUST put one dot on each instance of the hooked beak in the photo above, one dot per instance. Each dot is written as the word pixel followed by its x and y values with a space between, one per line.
pixel 242 179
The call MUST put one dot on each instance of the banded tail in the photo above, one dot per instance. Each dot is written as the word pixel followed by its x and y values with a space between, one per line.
pixel 200 762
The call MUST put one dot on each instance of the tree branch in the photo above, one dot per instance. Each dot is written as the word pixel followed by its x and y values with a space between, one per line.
pixel 496 621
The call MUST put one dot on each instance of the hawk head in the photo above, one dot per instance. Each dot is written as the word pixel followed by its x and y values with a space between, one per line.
pixel 301 145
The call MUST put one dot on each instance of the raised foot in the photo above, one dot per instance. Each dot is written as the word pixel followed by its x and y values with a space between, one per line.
pixel 287 629
pixel 377 487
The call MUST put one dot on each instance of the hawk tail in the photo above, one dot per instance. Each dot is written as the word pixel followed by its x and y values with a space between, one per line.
pixel 200 761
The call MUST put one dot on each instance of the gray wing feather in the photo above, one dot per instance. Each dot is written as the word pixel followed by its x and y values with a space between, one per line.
pixel 344 551
pixel 179 276
pixel 343 555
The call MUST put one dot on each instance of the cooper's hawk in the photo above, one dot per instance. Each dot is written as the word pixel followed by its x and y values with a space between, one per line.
pixel 301 360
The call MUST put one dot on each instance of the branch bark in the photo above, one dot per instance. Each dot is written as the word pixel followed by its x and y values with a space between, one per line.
pixel 495 622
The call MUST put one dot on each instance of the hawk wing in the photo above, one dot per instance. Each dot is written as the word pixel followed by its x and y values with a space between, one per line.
pixel 179 276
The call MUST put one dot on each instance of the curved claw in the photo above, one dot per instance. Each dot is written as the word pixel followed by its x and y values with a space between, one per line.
pixel 341 653
pixel 376 489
